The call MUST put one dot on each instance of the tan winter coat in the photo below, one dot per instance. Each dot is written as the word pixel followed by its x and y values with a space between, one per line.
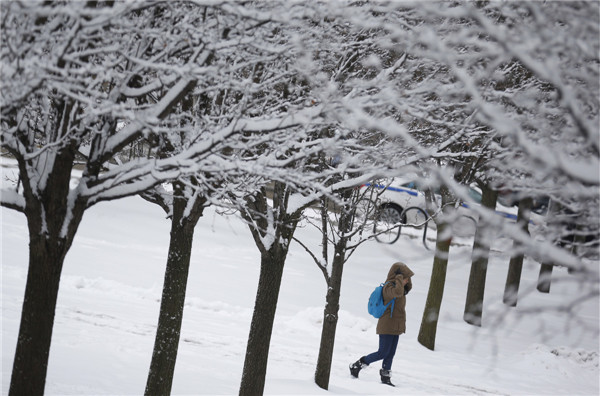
pixel 396 324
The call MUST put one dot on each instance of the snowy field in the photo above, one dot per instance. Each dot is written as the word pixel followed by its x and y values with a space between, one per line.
pixel 109 300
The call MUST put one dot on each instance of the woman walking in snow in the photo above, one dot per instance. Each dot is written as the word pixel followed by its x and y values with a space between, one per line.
pixel 390 324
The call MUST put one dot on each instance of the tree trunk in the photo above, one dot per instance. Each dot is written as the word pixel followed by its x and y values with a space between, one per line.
pixel 334 286
pixel 543 284
pixel 50 237
pixel 46 258
pixel 515 267
pixel 277 226
pixel 435 294
pixel 545 276
pixel 481 251
pixel 166 344
pixel 433 304
pixel 330 316
pixel 261 328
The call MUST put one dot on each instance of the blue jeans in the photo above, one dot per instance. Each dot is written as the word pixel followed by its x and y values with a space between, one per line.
pixel 387 349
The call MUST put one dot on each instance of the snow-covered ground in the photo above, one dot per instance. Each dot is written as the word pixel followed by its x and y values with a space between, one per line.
pixel 109 300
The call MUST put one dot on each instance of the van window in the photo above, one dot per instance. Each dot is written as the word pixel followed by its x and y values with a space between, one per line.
pixel 475 195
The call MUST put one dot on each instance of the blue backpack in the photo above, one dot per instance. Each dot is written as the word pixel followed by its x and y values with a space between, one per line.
pixel 376 306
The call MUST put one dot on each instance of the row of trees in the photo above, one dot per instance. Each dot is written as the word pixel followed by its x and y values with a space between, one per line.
pixel 222 99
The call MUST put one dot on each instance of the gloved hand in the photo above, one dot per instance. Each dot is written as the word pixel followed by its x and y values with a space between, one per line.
pixel 407 283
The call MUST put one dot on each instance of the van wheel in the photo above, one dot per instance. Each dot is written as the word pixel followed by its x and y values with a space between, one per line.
pixel 388 223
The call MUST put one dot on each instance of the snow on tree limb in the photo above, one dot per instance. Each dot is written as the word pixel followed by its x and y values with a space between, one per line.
pixel 9 198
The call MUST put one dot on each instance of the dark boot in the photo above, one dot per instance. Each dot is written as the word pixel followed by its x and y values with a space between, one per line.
pixel 357 366
pixel 386 377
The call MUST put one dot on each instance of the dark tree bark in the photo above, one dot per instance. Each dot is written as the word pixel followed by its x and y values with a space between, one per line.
pixel 515 267
pixel 186 208
pixel 545 275
pixel 272 261
pixel 330 320
pixel 481 251
pixel 49 242
pixel 431 313
pixel 428 329
pixel 261 328
pixel 332 299
pixel 543 284
pixel 37 317
pixel 166 344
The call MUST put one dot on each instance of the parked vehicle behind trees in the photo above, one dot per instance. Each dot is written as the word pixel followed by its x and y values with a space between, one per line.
pixel 402 202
